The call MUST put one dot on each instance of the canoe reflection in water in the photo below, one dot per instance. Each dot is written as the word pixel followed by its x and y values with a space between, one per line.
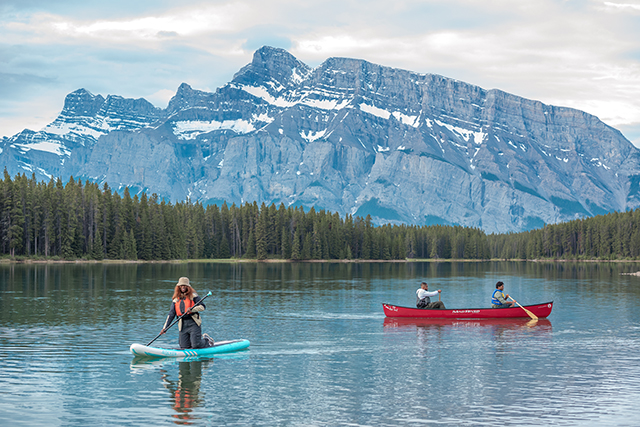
pixel 435 334
pixel 515 323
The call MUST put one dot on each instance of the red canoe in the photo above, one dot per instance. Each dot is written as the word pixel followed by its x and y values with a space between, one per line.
pixel 540 310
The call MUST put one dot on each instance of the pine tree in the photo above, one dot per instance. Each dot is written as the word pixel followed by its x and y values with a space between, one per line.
pixel 130 250
pixel 296 247
pixel 285 243
pixel 251 246
pixel 306 247
pixel 261 235
pixel 224 252
pixel 97 251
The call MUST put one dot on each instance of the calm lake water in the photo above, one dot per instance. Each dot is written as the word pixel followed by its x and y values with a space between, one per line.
pixel 321 350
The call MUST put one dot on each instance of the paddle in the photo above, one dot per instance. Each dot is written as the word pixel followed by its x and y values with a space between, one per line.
pixel 176 321
pixel 533 316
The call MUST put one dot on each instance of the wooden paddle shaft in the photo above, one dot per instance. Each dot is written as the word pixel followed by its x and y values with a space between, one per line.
pixel 530 314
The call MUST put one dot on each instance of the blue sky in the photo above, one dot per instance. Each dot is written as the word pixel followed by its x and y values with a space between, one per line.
pixel 579 54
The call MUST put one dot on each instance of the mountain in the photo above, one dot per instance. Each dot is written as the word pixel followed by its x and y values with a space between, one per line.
pixel 348 136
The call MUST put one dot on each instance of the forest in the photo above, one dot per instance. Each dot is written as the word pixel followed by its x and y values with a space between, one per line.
pixel 76 220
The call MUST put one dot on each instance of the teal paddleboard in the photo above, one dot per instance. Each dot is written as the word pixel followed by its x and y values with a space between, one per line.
pixel 217 348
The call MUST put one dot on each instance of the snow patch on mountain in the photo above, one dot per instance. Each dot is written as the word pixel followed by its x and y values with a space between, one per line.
pixel 312 136
pixel 190 129
pixel 406 119
pixel 297 77
pixel 49 146
pixel 375 111
pixel 262 93
pixel 384 114
pixel 478 137
pixel 310 99
pixel 325 104
pixel 63 129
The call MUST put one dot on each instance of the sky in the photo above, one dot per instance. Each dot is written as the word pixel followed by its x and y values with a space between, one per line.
pixel 578 54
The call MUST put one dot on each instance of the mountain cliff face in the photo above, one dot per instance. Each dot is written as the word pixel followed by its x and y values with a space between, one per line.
pixel 348 136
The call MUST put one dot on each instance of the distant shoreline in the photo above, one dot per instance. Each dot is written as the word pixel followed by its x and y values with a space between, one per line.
pixel 281 261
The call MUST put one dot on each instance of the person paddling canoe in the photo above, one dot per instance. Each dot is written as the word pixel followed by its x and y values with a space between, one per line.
pixel 185 301
pixel 424 297
pixel 499 298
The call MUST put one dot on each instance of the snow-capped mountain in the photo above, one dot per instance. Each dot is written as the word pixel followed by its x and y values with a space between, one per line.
pixel 348 136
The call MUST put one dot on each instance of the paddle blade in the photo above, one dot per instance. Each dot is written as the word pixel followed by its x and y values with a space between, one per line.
pixel 209 294
pixel 530 314
pixel 533 316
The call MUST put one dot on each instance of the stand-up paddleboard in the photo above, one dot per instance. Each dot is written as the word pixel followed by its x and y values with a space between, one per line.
pixel 218 348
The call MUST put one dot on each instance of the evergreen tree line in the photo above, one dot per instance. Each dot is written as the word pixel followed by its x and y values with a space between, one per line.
pixel 84 220
pixel 607 237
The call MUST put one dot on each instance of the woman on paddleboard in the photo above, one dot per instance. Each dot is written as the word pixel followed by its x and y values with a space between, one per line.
pixel 185 302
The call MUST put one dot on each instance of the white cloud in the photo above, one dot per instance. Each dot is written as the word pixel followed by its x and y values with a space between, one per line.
pixel 161 98
pixel 188 22
pixel 562 53
pixel 622 6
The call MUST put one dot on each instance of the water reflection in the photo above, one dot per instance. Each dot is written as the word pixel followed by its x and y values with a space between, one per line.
pixel 185 395
pixel 437 334
pixel 324 353
pixel 519 323
pixel 35 280
pixel 185 391
pixel 145 362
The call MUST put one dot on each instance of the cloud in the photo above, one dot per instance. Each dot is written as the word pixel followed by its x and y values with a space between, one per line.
pixel 622 6
pixel 21 114
pixel 183 23
pixel 13 85
pixel 161 98
pixel 584 55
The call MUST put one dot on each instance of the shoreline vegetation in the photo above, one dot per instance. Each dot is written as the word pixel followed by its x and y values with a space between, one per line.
pixel 22 260
pixel 43 222
pixel 41 261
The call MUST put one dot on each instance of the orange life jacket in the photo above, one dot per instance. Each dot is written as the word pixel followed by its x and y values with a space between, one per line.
pixel 188 303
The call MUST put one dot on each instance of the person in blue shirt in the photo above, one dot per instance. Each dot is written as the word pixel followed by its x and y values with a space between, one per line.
pixel 499 298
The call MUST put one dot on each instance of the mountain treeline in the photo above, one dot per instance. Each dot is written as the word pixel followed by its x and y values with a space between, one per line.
pixel 84 220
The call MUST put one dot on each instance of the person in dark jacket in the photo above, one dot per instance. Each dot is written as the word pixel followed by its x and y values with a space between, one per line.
pixel 185 301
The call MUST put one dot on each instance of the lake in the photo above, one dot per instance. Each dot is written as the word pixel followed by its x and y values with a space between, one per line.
pixel 322 352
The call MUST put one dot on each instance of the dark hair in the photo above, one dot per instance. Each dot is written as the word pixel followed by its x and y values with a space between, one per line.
pixel 499 284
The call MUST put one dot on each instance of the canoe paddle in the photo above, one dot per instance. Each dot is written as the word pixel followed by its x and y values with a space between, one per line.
pixel 176 321
pixel 533 316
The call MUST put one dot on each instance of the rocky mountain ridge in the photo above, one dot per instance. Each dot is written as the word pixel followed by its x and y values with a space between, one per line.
pixel 348 136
